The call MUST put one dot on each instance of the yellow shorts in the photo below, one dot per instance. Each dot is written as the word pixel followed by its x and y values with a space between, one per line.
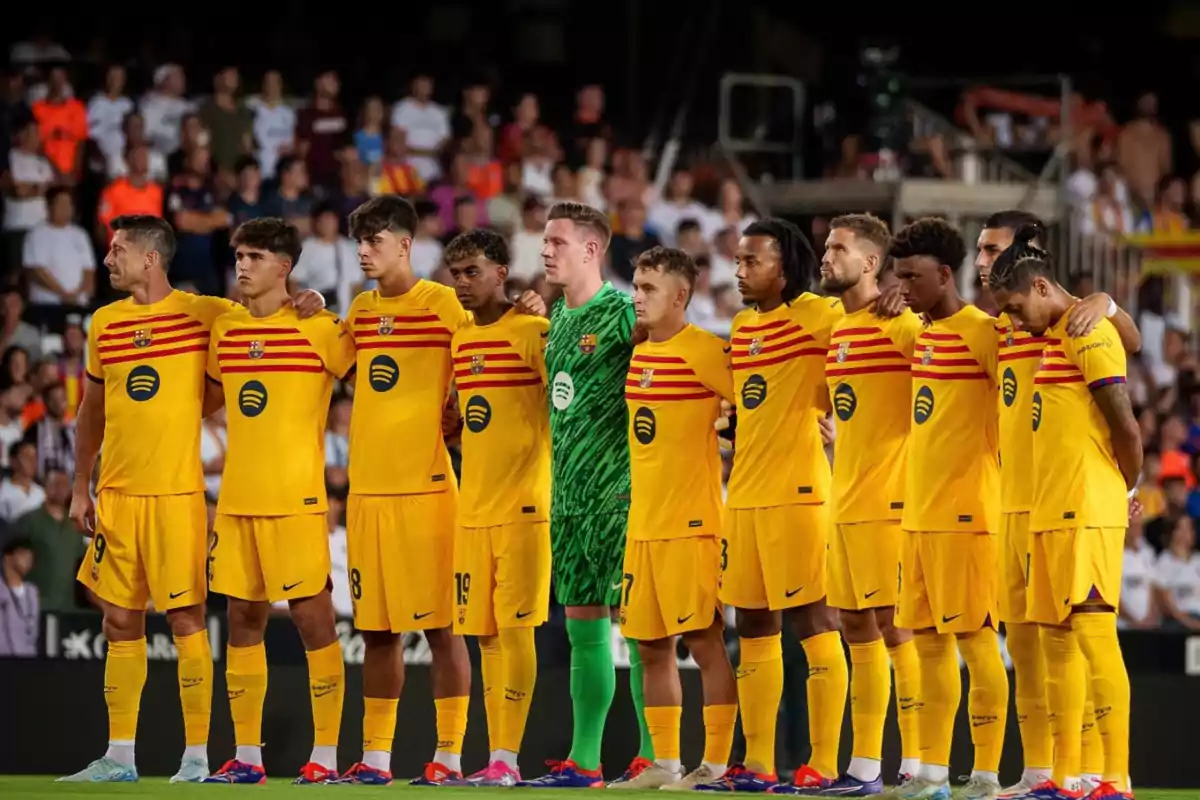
pixel 269 558
pixel 948 582
pixel 400 552
pixel 774 557
pixel 501 577
pixel 669 587
pixel 147 548
pixel 864 562
pixel 1073 567
pixel 1014 566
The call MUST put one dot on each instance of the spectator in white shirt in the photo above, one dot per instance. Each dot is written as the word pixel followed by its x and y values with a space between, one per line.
pixel 328 262
pixel 274 123
pixel 337 433
pixel 426 253
pixel 25 186
pixel 59 259
pixel 527 241
pixel 427 125
pixel 1177 576
pixel 107 111
pixel 339 562
pixel 1139 602
pixel 678 205
pixel 213 436
pixel 20 493
pixel 133 135
pixel 164 107
pixel 724 254
pixel 12 430
pixel 702 310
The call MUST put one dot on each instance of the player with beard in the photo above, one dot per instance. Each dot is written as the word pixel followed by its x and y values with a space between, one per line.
pixel 867 368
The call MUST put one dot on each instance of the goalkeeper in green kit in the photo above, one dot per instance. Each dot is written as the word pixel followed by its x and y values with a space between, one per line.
pixel 587 359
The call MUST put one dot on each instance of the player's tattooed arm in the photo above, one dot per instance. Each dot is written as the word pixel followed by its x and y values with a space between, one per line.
pixel 1085 315
pixel 1113 400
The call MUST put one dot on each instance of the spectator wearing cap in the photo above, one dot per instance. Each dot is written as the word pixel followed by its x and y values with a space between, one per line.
pixel 526 247
pixel 57 545
pixel 60 262
pixel 20 605
pixel 328 262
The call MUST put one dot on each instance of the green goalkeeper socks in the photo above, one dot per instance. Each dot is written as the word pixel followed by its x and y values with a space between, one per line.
pixel 637 675
pixel 593 683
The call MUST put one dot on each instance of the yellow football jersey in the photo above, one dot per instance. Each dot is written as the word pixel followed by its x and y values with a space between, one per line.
pixel 150 359
pixel 674 391
pixel 1076 479
pixel 778 361
pixel 1020 354
pixel 867 369
pixel 277 373
pixel 403 382
pixel 500 374
pixel 953 478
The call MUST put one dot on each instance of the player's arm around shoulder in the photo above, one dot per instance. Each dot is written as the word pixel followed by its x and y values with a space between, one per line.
pixel 1100 356
pixel 331 335
pixel 1085 315
pixel 214 393
pixel 904 330
pixel 983 342
pixel 531 343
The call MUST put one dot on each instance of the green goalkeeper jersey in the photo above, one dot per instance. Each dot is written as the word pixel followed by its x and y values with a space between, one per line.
pixel 587 358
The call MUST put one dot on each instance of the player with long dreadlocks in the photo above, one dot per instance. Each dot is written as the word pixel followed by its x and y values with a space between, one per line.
pixel 773 550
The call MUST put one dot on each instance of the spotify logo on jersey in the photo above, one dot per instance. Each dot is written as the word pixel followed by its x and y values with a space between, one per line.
pixel 1008 387
pixel 142 383
pixel 923 405
pixel 1037 410
pixel 383 373
pixel 644 425
pixel 478 414
pixel 844 401
pixel 562 391
pixel 754 392
pixel 252 399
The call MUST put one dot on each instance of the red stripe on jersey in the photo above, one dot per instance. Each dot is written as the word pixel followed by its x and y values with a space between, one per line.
pixel 377 320
pixel 949 376
pixel 660 396
pixel 1039 379
pixel 854 332
pixel 183 326
pixel 466 373
pixel 115 348
pixel 488 358
pixel 640 359
pixel 388 345
pixel 835 373
pixel 766 326
pixel 275 368
pixel 468 384
pixel 133 323
pixel 144 356
pixel 270 356
pixel 766 362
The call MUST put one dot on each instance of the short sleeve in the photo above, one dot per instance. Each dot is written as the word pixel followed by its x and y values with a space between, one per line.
pixel 985 345
pixel 451 312
pixel 531 344
pixel 1099 356
pixel 905 330
pixel 214 367
pixel 337 345
pixel 95 367
pixel 209 308
pixel 710 361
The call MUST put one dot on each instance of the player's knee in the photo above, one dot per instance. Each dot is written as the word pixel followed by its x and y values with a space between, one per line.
pixel 757 623
pixel 186 621
pixel 707 646
pixel 315 620
pixel 858 627
pixel 656 653
pixel 123 624
pixel 443 643
pixel 813 620
pixel 247 622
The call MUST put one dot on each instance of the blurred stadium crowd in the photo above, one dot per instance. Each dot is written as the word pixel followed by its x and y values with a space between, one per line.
pixel 81 144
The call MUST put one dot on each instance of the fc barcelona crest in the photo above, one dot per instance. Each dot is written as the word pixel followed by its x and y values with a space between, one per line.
pixel 256 349
pixel 647 378
pixel 755 346
pixel 843 351
pixel 587 343
pixel 925 359
pixel 476 364
pixel 141 338
pixel 1008 337
pixel 386 325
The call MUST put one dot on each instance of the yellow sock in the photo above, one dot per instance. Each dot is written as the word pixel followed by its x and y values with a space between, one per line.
pixel 491 663
pixel 827 687
pixel 246 682
pixel 870 690
pixel 663 722
pixel 124 677
pixel 195 686
pixel 1091 760
pixel 760 688
pixel 941 693
pixel 379 723
pixel 327 689
pixel 516 691
pixel 719 722
pixel 451 723
pixel 907 667
pixel 1110 690
pixel 1066 693
pixel 987 701
pixel 1029 671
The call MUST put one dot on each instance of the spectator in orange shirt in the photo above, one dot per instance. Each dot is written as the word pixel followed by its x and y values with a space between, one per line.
pixel 62 120
pixel 134 193
pixel 485 176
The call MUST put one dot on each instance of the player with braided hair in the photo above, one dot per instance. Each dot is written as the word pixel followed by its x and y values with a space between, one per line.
pixel 775 537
